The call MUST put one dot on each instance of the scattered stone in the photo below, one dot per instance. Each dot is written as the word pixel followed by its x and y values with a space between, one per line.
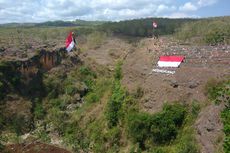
pixel 82 89
pixel 193 84
pixel 2 49
pixel 77 97
pixel 72 107
pixel 174 84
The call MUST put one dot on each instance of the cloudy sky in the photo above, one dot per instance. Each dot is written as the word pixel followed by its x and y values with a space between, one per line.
pixel 115 10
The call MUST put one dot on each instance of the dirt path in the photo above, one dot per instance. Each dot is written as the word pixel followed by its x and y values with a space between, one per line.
pixel 186 85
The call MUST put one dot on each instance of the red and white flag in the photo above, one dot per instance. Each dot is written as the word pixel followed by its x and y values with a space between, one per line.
pixel 154 24
pixel 170 61
pixel 69 42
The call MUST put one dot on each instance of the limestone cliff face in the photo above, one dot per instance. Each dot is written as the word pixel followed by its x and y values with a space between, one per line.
pixel 44 60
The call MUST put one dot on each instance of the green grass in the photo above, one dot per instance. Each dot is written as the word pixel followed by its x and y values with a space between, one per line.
pixel 219 92
pixel 212 31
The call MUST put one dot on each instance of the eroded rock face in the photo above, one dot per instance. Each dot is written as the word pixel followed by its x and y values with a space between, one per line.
pixel 33 147
pixel 17 111
pixel 209 128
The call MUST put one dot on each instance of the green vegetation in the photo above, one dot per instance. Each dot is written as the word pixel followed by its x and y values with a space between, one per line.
pixel 9 78
pixel 160 128
pixel 58 23
pixel 143 27
pixel 116 100
pixel 109 120
pixel 219 92
pixel 211 31
pixel 87 106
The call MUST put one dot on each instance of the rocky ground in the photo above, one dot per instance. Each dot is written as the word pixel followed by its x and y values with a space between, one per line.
pixel 34 147
pixel 202 63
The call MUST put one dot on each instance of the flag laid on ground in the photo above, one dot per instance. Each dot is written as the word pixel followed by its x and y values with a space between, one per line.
pixel 170 61
pixel 69 42
pixel 154 24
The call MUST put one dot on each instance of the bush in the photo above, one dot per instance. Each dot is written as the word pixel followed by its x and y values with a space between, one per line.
pixel 225 115
pixel 118 71
pixel 160 128
pixel 75 138
pixel 195 108
pixel 188 147
pixel 138 126
pixel 113 136
pixel 86 71
pixel 163 128
pixel 214 37
pixel 114 104
pixel 212 89
pixel 39 112
pixel 10 78
pixel 92 97
pixel 219 92
pixel 175 112
pixel 43 136
pixel 211 31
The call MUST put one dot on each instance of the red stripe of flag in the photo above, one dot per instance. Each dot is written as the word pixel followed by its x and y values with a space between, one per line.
pixel 171 58
pixel 68 40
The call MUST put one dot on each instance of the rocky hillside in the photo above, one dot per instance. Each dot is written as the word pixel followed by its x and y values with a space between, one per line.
pixel 106 98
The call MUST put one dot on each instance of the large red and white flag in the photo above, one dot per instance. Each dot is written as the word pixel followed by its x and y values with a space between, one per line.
pixel 154 24
pixel 170 61
pixel 69 42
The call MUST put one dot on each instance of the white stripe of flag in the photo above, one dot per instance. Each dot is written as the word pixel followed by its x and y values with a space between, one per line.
pixel 69 43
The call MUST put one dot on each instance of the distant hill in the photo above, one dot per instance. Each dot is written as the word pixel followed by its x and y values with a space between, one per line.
pixel 143 27
pixel 58 23
pixel 17 25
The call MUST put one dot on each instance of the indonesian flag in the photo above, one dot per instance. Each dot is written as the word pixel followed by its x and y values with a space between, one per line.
pixel 170 61
pixel 154 24
pixel 69 42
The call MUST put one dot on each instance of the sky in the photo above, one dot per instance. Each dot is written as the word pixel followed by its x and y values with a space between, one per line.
pixel 22 11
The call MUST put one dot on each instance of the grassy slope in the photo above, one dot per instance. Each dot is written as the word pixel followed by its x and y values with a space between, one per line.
pixel 101 123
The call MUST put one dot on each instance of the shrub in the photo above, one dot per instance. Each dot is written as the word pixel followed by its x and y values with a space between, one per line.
pixel 86 71
pixel 114 104
pixel 113 136
pixel 74 136
pixel 211 31
pixel 39 112
pixel 160 128
pixel 188 146
pixel 43 136
pixel 195 108
pixel 10 78
pixel 118 71
pixel 175 112
pixel 225 115
pixel 212 88
pixel 92 97
pixel 163 128
pixel 219 92
pixel 138 126
pixel 214 37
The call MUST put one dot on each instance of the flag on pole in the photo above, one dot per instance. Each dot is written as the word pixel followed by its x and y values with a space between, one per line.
pixel 170 61
pixel 69 42
pixel 155 24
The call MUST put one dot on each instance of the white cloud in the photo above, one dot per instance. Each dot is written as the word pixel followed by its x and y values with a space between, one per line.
pixel 188 7
pixel 198 4
pixel 181 15
pixel 202 3
pixel 43 10
pixel 164 8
